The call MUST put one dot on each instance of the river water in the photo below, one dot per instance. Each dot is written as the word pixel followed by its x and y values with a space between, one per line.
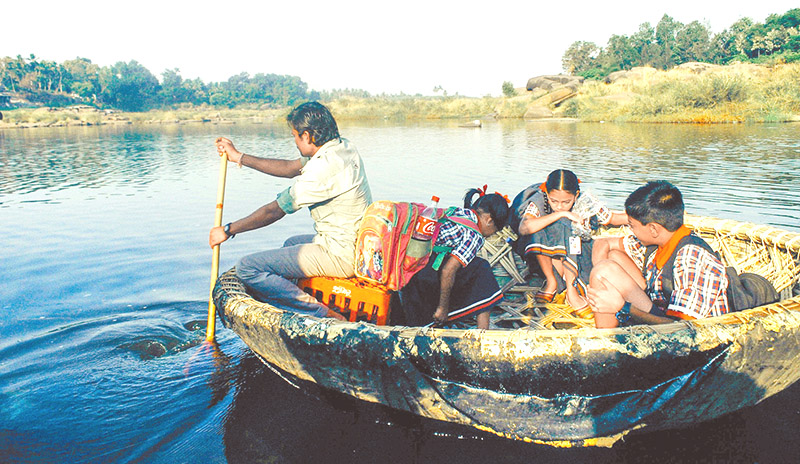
pixel 105 273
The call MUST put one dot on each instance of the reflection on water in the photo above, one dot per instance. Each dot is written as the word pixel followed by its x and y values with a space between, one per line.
pixel 105 280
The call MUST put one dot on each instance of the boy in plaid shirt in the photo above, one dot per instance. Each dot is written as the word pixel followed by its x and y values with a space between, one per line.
pixel 698 287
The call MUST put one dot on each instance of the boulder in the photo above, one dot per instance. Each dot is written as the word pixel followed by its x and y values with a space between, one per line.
pixel 555 97
pixel 615 76
pixel 635 73
pixel 554 81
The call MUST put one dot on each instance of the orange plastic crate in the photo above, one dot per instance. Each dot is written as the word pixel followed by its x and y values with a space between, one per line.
pixel 354 299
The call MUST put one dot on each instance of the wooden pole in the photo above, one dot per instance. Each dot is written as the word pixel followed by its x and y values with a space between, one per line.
pixel 212 312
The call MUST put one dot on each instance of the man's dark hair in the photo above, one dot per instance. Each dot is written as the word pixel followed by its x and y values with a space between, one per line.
pixel 657 201
pixel 317 120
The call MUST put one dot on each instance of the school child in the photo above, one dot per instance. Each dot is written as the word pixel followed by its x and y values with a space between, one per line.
pixel 697 283
pixel 456 283
pixel 556 223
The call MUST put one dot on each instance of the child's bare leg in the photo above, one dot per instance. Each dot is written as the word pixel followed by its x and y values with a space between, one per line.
pixel 618 287
pixel 627 264
pixel 601 248
pixel 574 297
pixel 546 264
pixel 483 320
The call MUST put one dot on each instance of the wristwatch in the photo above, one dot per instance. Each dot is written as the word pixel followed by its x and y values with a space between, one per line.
pixel 227 230
pixel 624 314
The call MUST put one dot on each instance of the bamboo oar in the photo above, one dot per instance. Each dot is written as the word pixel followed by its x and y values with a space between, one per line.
pixel 223 169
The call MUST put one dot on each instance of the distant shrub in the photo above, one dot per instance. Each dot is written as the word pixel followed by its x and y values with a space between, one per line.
pixel 508 89
pixel 571 108
pixel 594 74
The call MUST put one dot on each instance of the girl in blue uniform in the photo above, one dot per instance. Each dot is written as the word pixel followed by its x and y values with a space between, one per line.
pixel 556 223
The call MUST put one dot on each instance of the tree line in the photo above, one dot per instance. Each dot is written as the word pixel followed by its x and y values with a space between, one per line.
pixel 132 87
pixel 671 43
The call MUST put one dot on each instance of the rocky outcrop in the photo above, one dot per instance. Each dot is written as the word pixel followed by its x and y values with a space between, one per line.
pixel 550 83
pixel 555 97
pixel 547 92
pixel 635 73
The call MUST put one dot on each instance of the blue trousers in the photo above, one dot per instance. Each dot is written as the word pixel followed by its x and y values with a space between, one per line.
pixel 266 274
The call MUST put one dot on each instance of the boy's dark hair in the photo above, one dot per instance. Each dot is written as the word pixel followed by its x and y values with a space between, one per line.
pixel 563 179
pixel 317 120
pixel 492 203
pixel 657 201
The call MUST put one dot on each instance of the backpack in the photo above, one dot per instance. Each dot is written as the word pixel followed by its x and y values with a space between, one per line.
pixel 382 248
pixel 749 290
pixel 519 205
pixel 746 290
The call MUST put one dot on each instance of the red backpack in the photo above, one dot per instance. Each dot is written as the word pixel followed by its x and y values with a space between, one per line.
pixel 382 248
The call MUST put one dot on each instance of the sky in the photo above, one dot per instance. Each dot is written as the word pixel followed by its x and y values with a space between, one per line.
pixel 407 46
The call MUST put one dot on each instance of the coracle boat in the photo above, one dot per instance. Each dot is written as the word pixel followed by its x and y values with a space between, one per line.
pixel 569 387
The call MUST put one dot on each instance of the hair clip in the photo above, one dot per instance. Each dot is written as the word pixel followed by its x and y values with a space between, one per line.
pixel 505 197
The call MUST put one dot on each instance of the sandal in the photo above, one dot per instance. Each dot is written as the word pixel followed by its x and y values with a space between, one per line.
pixel 581 308
pixel 544 297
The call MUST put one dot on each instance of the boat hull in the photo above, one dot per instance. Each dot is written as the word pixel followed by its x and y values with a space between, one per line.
pixel 581 386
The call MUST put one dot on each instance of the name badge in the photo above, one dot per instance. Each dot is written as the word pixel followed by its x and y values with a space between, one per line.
pixel 574 245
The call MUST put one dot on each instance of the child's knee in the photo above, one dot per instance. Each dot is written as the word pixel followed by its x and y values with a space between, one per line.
pixel 604 269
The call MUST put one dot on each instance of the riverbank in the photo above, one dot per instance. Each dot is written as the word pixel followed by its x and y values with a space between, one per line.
pixel 28 118
pixel 693 93
pixel 690 93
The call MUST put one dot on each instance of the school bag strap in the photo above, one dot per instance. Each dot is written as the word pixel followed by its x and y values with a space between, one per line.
pixel 440 251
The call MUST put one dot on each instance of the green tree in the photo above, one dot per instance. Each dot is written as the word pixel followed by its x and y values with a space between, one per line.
pixel 260 89
pixel 175 90
pixel 13 70
pixel 692 43
pixel 128 86
pixel 644 41
pixel 666 29
pixel 787 20
pixel 579 57
pixel 219 96
pixel 722 47
pixel 742 36
pixel 83 78
pixel 620 53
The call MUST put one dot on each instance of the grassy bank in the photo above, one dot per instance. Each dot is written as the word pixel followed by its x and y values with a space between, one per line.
pixel 724 94
pixel 87 116
pixel 697 93
pixel 413 108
